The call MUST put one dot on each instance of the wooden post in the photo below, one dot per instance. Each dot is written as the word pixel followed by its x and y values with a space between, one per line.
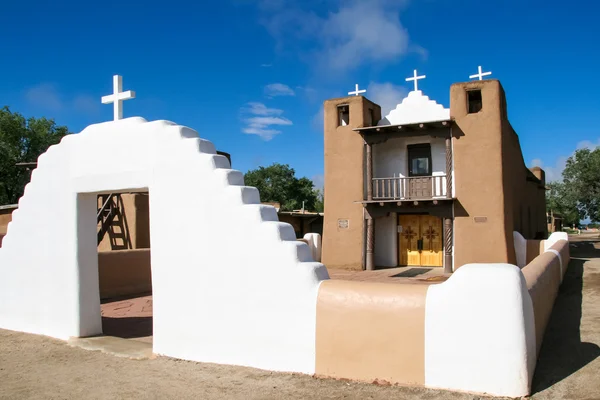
pixel 449 167
pixel 447 245
pixel 369 171
pixel 370 262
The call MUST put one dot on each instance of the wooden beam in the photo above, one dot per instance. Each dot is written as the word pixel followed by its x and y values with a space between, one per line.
pixel 370 259
pixel 448 226
pixel 369 166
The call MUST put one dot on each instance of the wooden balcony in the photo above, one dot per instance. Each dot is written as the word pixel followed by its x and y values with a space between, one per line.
pixel 413 188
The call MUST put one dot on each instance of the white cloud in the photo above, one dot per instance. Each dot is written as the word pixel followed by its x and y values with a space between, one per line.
pixel 356 32
pixel 387 95
pixel 262 120
pixel 279 89
pixel 266 65
pixel 86 104
pixel 554 172
pixel 588 144
pixel 45 96
pixel 318 119
pixel 260 109
pixel 319 182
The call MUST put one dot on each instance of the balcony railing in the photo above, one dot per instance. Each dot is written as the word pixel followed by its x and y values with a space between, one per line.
pixel 413 188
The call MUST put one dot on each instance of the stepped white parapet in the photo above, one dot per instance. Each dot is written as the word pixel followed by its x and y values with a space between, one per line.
pixel 230 282
pixel 416 108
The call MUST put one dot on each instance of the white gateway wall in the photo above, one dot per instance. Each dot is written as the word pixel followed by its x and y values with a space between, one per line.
pixel 230 282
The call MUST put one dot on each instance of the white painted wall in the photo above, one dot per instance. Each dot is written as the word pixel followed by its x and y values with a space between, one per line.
pixel 230 283
pixel 391 159
pixel 520 249
pixel 415 108
pixel 386 241
pixel 480 332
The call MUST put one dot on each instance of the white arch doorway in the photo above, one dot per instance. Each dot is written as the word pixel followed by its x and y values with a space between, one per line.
pixel 218 255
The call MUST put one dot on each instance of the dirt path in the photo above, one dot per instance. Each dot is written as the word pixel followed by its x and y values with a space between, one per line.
pixel 35 367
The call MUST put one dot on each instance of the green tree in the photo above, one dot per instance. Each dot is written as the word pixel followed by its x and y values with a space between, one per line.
pixel 22 140
pixel 581 178
pixel 560 201
pixel 278 183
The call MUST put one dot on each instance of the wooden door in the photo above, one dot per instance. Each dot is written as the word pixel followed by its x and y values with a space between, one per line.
pixel 408 240
pixel 420 240
pixel 431 236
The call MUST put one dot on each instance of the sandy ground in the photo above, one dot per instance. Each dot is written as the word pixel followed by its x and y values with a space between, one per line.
pixel 36 367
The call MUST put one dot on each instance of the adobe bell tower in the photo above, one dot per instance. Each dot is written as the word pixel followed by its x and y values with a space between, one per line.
pixel 345 180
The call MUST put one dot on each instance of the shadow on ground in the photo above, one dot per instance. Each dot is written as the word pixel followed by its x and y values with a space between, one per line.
pixel 409 273
pixel 126 327
pixel 562 352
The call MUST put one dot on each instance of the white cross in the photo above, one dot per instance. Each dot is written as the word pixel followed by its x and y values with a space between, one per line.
pixel 415 78
pixel 356 91
pixel 118 97
pixel 480 74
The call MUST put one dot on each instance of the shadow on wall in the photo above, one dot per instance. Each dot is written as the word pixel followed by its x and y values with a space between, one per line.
pixel 562 352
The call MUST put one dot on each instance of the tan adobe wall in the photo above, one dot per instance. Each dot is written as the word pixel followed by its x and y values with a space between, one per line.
pixel 368 331
pixel 344 182
pixel 124 272
pixel 534 249
pixel 524 190
pixel 5 218
pixel 135 225
pixel 543 276
pixel 478 163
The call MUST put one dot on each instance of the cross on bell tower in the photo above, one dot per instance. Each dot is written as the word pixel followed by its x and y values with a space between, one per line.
pixel 118 97
pixel 480 74
pixel 356 91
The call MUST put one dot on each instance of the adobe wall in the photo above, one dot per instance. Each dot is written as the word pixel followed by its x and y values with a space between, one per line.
pixel 480 231
pixel 124 272
pixel 371 331
pixel 134 223
pixel 544 275
pixel 524 190
pixel 5 217
pixel 345 183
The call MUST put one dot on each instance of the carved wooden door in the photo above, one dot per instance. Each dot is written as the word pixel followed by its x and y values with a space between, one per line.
pixel 431 241
pixel 409 239
pixel 420 240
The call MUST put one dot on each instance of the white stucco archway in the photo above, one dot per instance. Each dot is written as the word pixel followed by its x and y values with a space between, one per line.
pixel 230 282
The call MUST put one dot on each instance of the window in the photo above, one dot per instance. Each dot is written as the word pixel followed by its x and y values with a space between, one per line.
pixel 419 160
pixel 343 114
pixel 474 101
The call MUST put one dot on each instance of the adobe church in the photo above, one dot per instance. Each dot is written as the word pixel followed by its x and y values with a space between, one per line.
pixel 427 185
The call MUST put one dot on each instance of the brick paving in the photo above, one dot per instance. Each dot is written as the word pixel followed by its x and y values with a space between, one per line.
pixel 129 318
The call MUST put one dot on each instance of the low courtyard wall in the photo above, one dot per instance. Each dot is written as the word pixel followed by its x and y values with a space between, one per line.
pixel 480 331
pixel 124 272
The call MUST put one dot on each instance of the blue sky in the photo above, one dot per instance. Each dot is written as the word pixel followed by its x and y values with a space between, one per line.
pixel 251 76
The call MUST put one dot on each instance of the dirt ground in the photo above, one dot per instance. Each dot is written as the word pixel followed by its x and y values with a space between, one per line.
pixel 36 367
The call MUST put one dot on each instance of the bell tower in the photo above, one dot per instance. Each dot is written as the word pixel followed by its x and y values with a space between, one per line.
pixel 345 180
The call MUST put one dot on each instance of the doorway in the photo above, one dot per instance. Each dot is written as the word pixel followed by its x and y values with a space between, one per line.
pixel 420 240
pixel 124 272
